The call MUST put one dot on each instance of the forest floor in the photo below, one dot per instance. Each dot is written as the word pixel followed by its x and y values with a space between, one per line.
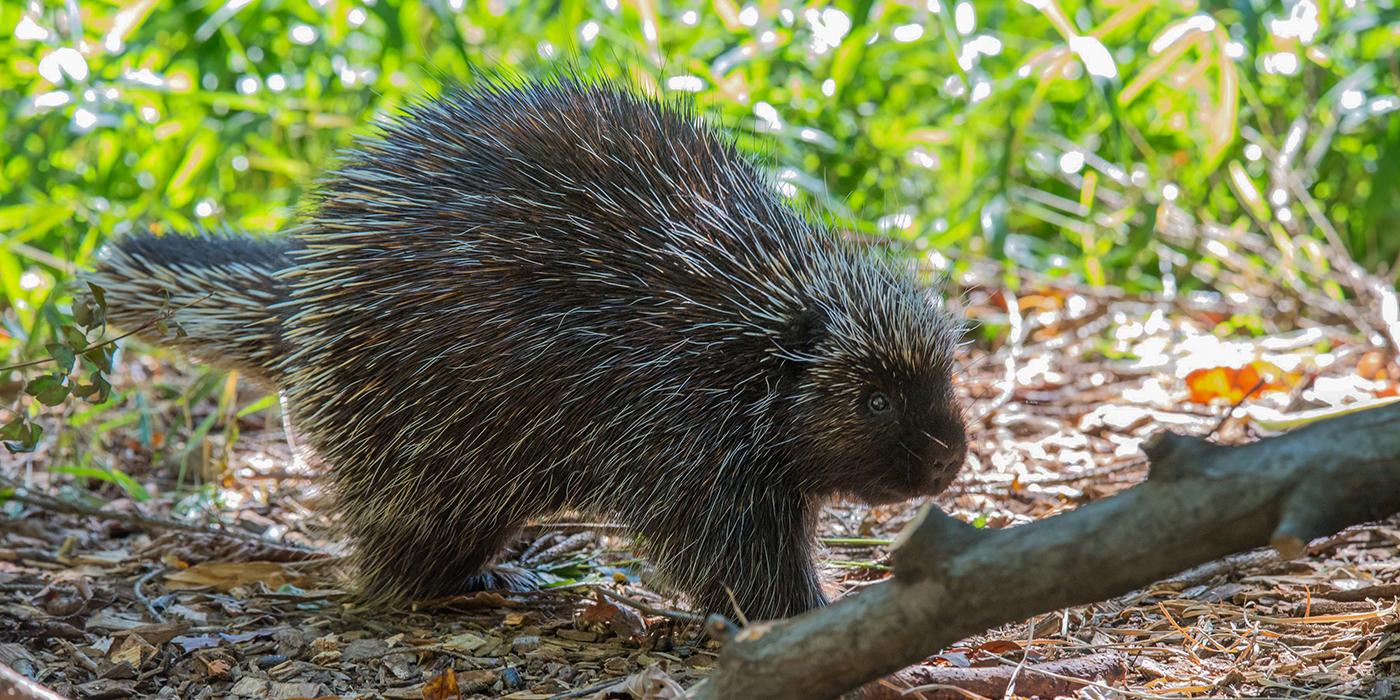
pixel 243 599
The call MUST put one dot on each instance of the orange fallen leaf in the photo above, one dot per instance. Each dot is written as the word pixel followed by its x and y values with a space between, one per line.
pixel 598 611
pixel 1234 385
pixel 442 687
pixel 1050 301
pixel 1372 365
pixel 1000 647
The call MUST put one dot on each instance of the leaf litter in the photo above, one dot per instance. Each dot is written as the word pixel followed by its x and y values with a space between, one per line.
pixel 1063 387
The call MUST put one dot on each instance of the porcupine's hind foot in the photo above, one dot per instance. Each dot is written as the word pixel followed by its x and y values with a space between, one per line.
pixel 504 577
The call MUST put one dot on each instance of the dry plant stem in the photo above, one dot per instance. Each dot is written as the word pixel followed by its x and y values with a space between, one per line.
pixel 678 615
pixel 1200 502
pixel 146 523
pixel 14 685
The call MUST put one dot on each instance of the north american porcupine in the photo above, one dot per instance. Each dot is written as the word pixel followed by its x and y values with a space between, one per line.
pixel 525 298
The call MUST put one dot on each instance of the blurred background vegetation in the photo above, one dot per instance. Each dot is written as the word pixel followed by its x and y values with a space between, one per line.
pixel 1133 143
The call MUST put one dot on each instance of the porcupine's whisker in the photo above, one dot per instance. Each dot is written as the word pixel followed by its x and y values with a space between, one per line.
pixel 930 436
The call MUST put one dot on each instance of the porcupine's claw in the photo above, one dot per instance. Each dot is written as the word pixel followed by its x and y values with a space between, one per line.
pixel 504 577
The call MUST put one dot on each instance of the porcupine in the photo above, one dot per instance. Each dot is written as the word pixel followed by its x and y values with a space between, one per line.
pixel 525 298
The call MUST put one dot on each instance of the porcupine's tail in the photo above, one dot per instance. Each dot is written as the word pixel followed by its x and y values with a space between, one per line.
pixel 219 290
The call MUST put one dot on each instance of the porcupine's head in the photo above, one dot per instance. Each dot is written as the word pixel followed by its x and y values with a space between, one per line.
pixel 871 403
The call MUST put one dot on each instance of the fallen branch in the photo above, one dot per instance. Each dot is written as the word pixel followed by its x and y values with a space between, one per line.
pixel 1201 501
pixel 1050 679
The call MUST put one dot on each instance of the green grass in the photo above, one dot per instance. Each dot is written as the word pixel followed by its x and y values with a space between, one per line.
pixel 1054 136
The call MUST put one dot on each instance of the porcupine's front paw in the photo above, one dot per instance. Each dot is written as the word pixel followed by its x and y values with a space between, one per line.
pixel 504 577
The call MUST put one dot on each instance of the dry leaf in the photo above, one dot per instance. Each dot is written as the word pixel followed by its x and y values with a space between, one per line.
pixel 600 611
pixel 1000 647
pixel 225 576
pixel 134 651
pixel 1233 385
pixel 442 687
pixel 1051 300
pixel 1372 365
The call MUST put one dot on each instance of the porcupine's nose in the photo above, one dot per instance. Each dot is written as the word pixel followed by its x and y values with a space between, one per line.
pixel 946 455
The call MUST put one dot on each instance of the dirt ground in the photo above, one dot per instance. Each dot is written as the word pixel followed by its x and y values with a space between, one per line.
pixel 1062 386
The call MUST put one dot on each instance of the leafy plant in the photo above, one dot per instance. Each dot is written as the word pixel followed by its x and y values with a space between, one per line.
pixel 1066 137
pixel 80 366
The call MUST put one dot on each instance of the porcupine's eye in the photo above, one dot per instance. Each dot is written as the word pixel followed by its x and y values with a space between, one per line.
pixel 878 403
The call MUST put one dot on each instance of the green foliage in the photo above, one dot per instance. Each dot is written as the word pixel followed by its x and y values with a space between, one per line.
pixel 73 355
pixel 1055 135
pixel 126 483
pixel 974 127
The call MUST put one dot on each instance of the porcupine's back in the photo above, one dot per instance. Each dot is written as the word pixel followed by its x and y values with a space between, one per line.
pixel 561 259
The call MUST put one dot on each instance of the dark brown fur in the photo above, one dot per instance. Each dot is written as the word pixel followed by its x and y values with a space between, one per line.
pixel 518 300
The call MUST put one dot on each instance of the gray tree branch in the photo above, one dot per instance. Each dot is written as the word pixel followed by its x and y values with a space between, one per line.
pixel 1201 501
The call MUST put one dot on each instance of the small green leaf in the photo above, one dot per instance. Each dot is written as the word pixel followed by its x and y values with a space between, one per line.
pixel 263 403
pixel 99 295
pixel 20 435
pixel 104 389
pixel 50 389
pixel 75 337
pixel 63 355
pixel 111 476
pixel 100 358
pixel 98 313
pixel 82 312
pixel 17 429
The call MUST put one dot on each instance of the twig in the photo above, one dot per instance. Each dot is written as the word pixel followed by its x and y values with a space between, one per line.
pixel 1072 679
pixel 440 649
pixel 14 685
pixel 639 605
pixel 588 690
pixel 1234 407
pixel 1020 666
pixel 151 608
pixel 162 316
pixel 1045 679
pixel 1088 475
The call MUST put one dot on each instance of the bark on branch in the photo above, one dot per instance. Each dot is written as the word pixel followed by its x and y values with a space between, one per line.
pixel 1202 501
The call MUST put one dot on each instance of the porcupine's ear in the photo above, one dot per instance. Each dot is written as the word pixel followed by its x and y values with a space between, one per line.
pixel 799 339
